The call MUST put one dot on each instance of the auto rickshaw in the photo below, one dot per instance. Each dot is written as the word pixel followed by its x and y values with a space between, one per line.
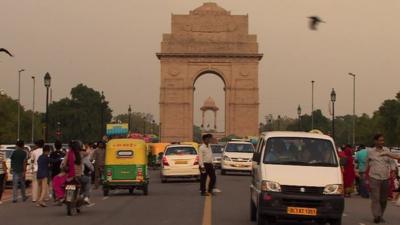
pixel 156 150
pixel 125 166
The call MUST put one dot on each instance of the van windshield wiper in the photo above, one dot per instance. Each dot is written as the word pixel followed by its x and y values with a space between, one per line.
pixel 290 163
pixel 322 164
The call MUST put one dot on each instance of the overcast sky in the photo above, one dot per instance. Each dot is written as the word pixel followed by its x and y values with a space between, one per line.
pixel 111 46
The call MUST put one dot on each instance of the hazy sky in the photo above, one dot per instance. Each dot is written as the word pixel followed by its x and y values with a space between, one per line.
pixel 111 46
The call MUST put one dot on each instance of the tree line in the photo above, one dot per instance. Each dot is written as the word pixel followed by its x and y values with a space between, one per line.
pixel 385 120
pixel 80 117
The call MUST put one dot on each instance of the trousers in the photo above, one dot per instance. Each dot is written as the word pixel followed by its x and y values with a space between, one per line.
pixel 209 172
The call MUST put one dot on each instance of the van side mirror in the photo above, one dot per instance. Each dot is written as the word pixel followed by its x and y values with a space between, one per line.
pixel 256 157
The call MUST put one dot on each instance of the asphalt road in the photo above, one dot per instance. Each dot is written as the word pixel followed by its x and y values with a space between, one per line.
pixel 173 203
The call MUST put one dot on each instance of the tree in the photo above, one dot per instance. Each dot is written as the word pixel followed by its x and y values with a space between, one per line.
pixel 79 117
pixel 139 121
pixel 9 118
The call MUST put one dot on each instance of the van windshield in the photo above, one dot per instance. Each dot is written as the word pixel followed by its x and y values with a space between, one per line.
pixel 239 147
pixel 300 151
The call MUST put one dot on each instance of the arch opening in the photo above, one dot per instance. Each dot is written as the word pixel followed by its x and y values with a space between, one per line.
pixel 209 101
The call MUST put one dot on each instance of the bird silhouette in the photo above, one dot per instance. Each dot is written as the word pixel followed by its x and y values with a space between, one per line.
pixel 314 22
pixel 6 51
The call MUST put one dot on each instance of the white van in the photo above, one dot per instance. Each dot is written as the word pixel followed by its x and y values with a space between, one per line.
pixel 296 175
pixel 237 156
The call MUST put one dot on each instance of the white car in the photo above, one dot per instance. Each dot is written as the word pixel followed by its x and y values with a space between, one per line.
pixel 180 161
pixel 6 151
pixel 237 156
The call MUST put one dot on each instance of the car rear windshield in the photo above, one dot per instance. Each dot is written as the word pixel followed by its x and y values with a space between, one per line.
pixel 300 151
pixel 181 151
pixel 6 153
pixel 239 147
pixel 216 148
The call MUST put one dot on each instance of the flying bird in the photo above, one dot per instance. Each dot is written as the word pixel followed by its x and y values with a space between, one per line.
pixel 314 22
pixel 6 51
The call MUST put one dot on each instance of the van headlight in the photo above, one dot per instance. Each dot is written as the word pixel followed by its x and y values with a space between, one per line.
pixel 226 158
pixel 270 186
pixel 333 189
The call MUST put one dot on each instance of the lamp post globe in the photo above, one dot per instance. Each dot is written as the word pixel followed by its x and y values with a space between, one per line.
pixel 47 80
pixel 299 116
pixel 333 100
pixel 47 84
pixel 333 95
pixel 129 117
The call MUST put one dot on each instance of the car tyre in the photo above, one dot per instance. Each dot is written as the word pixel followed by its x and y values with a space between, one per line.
pixel 105 191
pixel 336 221
pixel 146 189
pixel 69 208
pixel 223 172
pixel 131 190
pixel 163 179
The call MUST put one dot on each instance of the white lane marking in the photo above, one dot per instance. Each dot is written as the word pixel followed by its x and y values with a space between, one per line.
pixel 362 223
pixel 105 198
pixel 344 214
pixel 91 205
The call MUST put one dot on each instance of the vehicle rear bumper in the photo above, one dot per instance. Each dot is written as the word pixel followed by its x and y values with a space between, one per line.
pixel 276 204
pixel 236 166
pixel 125 183
pixel 180 172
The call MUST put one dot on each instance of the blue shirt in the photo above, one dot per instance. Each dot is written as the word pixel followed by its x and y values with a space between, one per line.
pixel 43 167
pixel 361 157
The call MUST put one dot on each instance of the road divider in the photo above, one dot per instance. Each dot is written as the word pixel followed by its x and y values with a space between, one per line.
pixel 207 212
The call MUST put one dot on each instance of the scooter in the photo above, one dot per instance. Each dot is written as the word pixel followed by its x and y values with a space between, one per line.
pixel 73 199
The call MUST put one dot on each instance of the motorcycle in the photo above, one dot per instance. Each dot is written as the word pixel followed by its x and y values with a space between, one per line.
pixel 73 199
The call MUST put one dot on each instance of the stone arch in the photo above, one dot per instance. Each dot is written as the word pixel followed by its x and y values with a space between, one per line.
pixel 213 71
pixel 208 40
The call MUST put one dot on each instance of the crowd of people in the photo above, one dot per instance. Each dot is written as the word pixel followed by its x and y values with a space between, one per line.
pixel 372 173
pixel 51 169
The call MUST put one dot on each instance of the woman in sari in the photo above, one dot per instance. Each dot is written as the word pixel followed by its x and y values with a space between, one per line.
pixel 349 174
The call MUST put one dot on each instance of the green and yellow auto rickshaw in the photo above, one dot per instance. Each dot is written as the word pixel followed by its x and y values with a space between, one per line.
pixel 126 166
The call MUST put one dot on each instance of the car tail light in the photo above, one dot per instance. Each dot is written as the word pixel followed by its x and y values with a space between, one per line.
pixel 165 161
pixel 196 161
pixel 140 172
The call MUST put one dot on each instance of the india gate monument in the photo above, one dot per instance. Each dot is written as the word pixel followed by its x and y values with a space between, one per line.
pixel 209 40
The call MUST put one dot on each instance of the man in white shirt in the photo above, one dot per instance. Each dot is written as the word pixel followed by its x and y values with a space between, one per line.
pixel 34 158
pixel 206 166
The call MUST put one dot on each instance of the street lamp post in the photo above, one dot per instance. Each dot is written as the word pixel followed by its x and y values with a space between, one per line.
pixel 144 125
pixel 312 104
pixel 19 103
pixel 153 124
pixel 33 109
pixel 299 116
pixel 129 117
pixel 102 114
pixel 354 108
pixel 333 100
pixel 47 83
pixel 279 122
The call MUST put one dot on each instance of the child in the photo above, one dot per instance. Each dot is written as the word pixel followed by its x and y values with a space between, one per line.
pixel 42 175
pixel 58 185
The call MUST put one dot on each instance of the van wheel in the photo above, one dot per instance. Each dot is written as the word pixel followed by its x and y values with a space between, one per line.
pixel 146 189
pixel 253 211
pixel 223 172
pixel 336 221
pixel 105 191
